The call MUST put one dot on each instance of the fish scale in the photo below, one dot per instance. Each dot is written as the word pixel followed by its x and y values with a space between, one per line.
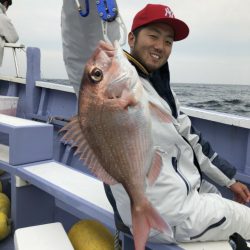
pixel 115 153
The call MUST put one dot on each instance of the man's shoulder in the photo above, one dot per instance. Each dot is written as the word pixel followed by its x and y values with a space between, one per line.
pixel 4 18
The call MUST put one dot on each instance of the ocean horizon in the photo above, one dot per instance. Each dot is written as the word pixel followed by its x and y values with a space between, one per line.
pixel 226 98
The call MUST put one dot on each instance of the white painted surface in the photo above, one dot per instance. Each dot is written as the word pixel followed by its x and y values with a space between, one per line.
pixel 73 181
pixel 13 79
pixel 18 122
pixel 4 153
pixel 8 104
pixel 224 118
pixel 42 237
pixel 14 45
pixel 56 86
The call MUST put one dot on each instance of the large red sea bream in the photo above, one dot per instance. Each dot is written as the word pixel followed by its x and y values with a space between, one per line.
pixel 112 133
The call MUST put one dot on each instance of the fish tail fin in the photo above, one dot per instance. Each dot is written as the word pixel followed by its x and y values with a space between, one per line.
pixel 144 218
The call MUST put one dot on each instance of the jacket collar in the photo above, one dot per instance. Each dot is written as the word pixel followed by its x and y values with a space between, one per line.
pixel 2 9
pixel 159 79
pixel 140 68
pixel 142 71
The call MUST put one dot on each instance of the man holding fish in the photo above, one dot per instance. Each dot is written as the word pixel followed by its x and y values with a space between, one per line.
pixel 130 132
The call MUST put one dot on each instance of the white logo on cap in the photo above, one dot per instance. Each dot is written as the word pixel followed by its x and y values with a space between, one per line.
pixel 169 13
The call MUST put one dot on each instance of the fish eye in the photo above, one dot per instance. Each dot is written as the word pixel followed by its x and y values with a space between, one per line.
pixel 96 75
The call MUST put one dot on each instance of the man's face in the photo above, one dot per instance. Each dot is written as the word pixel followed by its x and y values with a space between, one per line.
pixel 152 46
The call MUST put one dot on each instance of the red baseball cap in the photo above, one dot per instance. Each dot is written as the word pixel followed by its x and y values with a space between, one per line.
pixel 160 13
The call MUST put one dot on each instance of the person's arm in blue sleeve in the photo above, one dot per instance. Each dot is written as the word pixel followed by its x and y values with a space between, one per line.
pixel 228 169
pixel 241 192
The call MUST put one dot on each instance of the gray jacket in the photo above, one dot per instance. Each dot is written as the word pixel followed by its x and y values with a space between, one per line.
pixel 175 192
pixel 7 31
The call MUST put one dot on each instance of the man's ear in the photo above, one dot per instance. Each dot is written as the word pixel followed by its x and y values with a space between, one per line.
pixel 131 40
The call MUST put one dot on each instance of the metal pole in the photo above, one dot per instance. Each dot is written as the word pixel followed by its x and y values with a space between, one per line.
pixel 15 60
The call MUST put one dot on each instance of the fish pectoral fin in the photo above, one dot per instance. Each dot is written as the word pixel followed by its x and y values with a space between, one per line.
pixel 127 99
pixel 74 136
pixel 68 125
pixel 155 169
pixel 160 113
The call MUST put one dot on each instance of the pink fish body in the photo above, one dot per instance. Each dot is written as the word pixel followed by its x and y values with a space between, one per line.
pixel 112 133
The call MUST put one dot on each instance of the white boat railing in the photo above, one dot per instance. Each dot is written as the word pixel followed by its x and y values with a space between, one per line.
pixel 13 79
pixel 219 117
pixel 14 47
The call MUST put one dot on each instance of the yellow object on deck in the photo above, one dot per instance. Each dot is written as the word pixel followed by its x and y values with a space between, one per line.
pixel 4 226
pixel 4 204
pixel 90 235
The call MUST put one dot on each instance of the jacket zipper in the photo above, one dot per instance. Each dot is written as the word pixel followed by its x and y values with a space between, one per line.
pixel 175 161
pixel 196 163
pixel 217 224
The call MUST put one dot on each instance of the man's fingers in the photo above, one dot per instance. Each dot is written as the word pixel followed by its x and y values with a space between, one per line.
pixel 244 193
pixel 241 192
pixel 247 192
pixel 238 198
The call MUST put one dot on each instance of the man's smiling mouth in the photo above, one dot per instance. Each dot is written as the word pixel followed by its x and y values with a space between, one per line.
pixel 155 56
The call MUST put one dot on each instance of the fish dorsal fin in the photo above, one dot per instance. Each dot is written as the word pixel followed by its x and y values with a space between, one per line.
pixel 155 168
pixel 74 136
pixel 160 113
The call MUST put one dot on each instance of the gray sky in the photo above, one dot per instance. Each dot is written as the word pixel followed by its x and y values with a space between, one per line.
pixel 216 51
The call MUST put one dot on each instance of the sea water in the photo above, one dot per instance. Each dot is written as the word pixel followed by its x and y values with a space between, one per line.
pixel 232 99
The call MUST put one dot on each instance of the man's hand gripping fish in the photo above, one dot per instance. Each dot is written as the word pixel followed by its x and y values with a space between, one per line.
pixel 112 133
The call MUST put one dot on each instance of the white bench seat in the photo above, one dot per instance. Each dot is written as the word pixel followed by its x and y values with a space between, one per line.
pixel 28 141
pixel 73 190
pixel 50 236
pixel 4 153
